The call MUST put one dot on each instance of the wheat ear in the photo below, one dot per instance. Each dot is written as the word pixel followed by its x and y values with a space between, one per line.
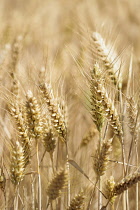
pixel 99 95
pixel 132 111
pixel 35 129
pixel 77 202
pixel 15 111
pixel 102 53
pixel 16 47
pixel 126 183
pixel 33 116
pixel 109 187
pixel 49 141
pixel 2 180
pixel 88 137
pixel 57 118
pixel 101 158
pixel 56 185
pixel 48 138
pixel 96 103
pixel 15 86
pixel 17 164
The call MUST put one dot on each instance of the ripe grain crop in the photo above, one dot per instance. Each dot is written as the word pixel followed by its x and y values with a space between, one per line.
pixel 69 105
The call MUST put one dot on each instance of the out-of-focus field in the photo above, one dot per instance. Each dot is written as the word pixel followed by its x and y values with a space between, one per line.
pixel 50 41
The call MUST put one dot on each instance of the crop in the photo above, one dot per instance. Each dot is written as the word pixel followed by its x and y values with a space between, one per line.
pixel 69 104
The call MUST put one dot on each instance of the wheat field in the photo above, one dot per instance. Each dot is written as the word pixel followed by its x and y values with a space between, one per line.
pixel 69 104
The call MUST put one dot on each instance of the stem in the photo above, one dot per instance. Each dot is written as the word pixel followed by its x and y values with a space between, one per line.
pixel 137 185
pixel 39 178
pixel 57 159
pixel 16 198
pixel 68 169
pixel 99 178
pixel 5 200
pixel 43 157
pixel 48 204
pixel 91 197
pixel 51 156
pixel 33 193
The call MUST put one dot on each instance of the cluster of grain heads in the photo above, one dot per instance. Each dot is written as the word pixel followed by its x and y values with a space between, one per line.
pixel 16 112
pixel 104 105
pixel 56 185
pixel 101 52
pixel 101 157
pixel 17 163
pixel 2 180
pixel 33 112
pixel 77 203
pixel 56 114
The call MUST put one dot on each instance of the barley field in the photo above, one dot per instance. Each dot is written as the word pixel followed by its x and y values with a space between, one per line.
pixel 69 105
